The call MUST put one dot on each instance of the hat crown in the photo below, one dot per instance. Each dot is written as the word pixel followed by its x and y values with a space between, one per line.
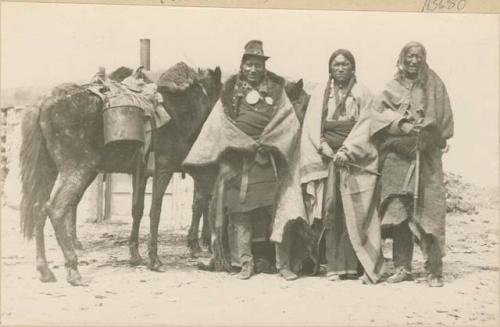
pixel 254 48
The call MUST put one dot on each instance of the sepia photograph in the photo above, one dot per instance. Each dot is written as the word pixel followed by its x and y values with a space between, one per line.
pixel 169 165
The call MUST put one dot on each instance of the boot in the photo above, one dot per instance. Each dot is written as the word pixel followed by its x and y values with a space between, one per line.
pixel 402 274
pixel 332 276
pixel 246 271
pixel 288 275
pixel 349 276
pixel 244 239
pixel 434 280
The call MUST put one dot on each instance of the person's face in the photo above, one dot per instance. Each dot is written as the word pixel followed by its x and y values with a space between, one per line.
pixel 341 69
pixel 253 69
pixel 413 60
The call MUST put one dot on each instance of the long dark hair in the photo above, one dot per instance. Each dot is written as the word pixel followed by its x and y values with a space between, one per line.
pixel 346 53
pixel 349 56
pixel 422 72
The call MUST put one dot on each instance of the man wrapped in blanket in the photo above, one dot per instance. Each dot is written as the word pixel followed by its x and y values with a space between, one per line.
pixel 252 136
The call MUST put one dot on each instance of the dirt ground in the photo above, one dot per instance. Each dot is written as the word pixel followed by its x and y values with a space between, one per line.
pixel 120 294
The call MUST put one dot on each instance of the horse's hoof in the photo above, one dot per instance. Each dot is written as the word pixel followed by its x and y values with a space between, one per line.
pixel 135 261
pixel 194 248
pixel 135 257
pixel 47 276
pixel 74 278
pixel 156 265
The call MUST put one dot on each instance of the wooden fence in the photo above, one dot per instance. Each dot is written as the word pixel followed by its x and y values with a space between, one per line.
pixel 103 200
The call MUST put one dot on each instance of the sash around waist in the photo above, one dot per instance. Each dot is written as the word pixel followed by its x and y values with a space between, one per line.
pixel 336 131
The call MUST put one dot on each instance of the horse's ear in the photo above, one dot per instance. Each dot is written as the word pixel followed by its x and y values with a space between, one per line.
pixel 200 71
pixel 299 85
pixel 217 74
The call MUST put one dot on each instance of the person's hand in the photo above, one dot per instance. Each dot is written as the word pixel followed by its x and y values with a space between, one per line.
pixel 224 169
pixel 408 128
pixel 340 159
pixel 261 148
pixel 326 150
pixel 158 97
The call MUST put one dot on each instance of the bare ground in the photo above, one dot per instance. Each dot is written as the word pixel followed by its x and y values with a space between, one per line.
pixel 120 294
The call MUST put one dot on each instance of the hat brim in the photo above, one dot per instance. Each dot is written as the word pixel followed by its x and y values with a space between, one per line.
pixel 247 55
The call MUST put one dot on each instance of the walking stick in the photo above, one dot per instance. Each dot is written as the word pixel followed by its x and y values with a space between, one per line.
pixel 417 179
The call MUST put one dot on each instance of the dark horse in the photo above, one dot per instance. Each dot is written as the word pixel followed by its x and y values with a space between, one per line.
pixel 62 151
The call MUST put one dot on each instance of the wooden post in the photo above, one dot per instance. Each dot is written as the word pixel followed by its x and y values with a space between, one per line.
pixel 105 215
pixel 108 197
pixel 146 54
pixel 99 180
pixel 3 147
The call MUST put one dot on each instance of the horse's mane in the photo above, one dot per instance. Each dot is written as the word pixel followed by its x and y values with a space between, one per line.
pixel 177 78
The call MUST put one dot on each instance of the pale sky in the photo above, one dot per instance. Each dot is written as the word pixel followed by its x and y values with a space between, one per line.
pixel 45 44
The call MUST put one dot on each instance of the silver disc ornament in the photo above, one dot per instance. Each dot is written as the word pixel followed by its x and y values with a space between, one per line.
pixel 252 97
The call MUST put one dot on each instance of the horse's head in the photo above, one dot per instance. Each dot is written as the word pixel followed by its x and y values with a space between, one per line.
pixel 189 96
pixel 298 96
pixel 210 81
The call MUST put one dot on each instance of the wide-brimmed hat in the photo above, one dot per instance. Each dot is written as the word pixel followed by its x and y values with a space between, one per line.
pixel 254 48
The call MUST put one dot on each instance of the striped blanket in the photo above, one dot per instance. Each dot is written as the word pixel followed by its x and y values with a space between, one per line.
pixel 357 187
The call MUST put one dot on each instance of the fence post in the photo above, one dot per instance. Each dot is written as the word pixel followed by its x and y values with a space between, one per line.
pixel 108 197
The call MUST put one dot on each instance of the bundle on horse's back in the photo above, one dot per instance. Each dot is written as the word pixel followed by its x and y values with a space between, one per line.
pixel 121 73
pixel 178 78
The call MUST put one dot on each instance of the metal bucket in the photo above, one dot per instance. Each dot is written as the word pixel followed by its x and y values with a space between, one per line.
pixel 123 123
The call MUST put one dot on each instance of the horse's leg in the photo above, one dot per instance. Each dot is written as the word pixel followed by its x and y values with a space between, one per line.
pixel 46 274
pixel 161 179
pixel 206 233
pixel 197 212
pixel 70 185
pixel 139 188
pixel 72 226
pixel 208 185
pixel 74 238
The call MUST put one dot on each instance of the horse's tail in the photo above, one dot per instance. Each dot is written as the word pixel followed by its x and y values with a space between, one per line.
pixel 38 172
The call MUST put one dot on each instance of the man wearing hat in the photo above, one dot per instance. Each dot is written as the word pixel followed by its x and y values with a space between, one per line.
pixel 252 136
